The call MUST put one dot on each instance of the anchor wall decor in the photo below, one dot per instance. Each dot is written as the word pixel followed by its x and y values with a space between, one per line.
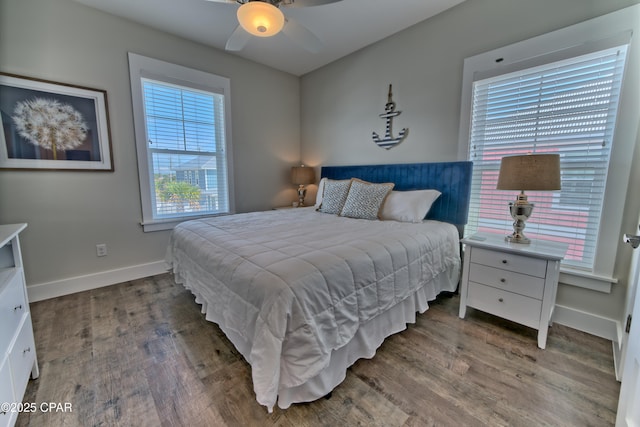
pixel 390 112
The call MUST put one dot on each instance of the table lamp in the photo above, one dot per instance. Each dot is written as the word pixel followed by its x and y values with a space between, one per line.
pixel 301 176
pixel 533 172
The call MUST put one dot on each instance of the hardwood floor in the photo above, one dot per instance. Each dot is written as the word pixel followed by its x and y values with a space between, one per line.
pixel 140 353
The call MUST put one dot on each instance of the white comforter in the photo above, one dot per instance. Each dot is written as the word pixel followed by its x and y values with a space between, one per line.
pixel 296 284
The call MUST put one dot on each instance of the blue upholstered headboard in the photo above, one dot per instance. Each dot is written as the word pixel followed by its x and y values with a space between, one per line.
pixel 452 179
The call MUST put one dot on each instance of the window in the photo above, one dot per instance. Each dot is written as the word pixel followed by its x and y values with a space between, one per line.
pixel 182 138
pixel 590 208
pixel 567 107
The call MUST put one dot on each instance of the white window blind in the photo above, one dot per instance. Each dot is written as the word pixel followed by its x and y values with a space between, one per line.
pixel 567 107
pixel 186 150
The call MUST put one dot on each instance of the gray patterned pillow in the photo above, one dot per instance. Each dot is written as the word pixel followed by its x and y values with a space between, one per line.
pixel 334 195
pixel 365 199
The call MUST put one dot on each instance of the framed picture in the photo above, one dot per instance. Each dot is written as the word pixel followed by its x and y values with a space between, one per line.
pixel 48 125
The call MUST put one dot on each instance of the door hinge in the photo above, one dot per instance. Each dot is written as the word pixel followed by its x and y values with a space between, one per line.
pixel 628 327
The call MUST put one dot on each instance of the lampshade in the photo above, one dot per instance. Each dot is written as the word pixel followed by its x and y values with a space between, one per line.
pixel 260 18
pixel 535 172
pixel 302 175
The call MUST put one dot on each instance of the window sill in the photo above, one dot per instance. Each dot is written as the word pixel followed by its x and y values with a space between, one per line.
pixel 168 224
pixel 583 279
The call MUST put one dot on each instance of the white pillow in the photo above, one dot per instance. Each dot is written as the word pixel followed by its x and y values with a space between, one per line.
pixel 320 192
pixel 408 206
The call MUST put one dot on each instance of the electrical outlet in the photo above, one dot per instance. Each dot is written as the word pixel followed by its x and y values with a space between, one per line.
pixel 101 249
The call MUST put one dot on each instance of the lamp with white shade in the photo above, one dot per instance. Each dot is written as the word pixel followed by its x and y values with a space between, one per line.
pixel 301 176
pixel 532 172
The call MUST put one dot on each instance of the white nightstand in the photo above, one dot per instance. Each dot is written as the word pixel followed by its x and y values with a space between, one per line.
pixel 514 281
pixel 277 208
pixel 18 358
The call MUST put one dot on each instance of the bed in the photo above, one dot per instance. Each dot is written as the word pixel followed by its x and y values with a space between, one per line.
pixel 303 294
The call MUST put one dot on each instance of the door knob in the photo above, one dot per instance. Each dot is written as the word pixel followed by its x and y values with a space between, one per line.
pixel 634 241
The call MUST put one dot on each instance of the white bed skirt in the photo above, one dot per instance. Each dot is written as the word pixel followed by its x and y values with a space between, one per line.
pixel 364 344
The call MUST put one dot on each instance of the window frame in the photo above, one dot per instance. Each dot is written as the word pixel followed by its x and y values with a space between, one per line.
pixel 141 67
pixel 585 37
pixel 541 110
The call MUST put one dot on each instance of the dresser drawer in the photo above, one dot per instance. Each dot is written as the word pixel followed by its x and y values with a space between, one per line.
pixel 6 391
pixel 12 306
pixel 22 357
pixel 518 308
pixel 522 284
pixel 507 261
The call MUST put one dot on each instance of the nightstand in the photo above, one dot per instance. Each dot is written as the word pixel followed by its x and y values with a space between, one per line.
pixel 277 208
pixel 514 281
pixel 18 359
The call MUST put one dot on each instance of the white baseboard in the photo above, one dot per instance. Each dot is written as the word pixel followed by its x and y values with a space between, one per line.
pixel 617 361
pixel 587 322
pixel 593 324
pixel 42 291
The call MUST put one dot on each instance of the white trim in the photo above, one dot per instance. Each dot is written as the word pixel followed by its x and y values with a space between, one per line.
pixel 57 288
pixel 618 354
pixel 587 280
pixel 593 324
pixel 169 224
pixel 141 67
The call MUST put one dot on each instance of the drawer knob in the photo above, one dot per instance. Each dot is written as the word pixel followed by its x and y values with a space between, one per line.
pixel 503 280
pixel 17 307
pixel 501 299
pixel 26 350
pixel 504 261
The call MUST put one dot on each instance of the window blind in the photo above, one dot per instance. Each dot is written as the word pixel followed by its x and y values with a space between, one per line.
pixel 186 150
pixel 567 107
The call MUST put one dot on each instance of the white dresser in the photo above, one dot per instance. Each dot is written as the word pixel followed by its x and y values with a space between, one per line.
pixel 514 281
pixel 17 347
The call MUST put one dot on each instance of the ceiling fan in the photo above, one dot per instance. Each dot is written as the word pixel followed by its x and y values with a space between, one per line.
pixel 263 18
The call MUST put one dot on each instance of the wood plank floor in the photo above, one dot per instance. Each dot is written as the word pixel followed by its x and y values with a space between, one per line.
pixel 141 354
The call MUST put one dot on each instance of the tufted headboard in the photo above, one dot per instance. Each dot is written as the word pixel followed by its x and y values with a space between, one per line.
pixel 452 179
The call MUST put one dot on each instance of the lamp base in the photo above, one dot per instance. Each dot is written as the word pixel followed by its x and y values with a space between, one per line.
pixel 302 192
pixel 521 239
pixel 520 211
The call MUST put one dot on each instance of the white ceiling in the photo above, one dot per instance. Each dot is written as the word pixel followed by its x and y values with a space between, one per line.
pixel 343 27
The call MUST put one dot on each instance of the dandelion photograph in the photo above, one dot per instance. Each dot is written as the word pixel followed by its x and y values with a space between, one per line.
pixel 48 125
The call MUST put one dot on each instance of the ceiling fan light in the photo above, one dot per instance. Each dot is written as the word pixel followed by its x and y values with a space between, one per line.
pixel 260 19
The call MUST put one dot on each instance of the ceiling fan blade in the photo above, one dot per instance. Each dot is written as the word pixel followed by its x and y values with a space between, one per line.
pixel 302 36
pixel 238 39
pixel 306 3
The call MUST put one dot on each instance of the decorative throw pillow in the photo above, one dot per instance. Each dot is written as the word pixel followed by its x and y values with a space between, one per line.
pixel 408 206
pixel 365 199
pixel 334 195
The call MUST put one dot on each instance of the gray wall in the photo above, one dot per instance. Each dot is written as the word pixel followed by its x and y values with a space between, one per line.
pixel 341 102
pixel 69 212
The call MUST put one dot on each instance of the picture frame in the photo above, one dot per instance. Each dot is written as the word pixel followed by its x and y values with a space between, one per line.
pixel 53 126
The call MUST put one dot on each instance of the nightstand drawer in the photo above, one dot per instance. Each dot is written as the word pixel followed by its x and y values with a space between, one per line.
pixel 6 392
pixel 518 308
pixel 510 281
pixel 12 306
pixel 507 261
pixel 22 357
